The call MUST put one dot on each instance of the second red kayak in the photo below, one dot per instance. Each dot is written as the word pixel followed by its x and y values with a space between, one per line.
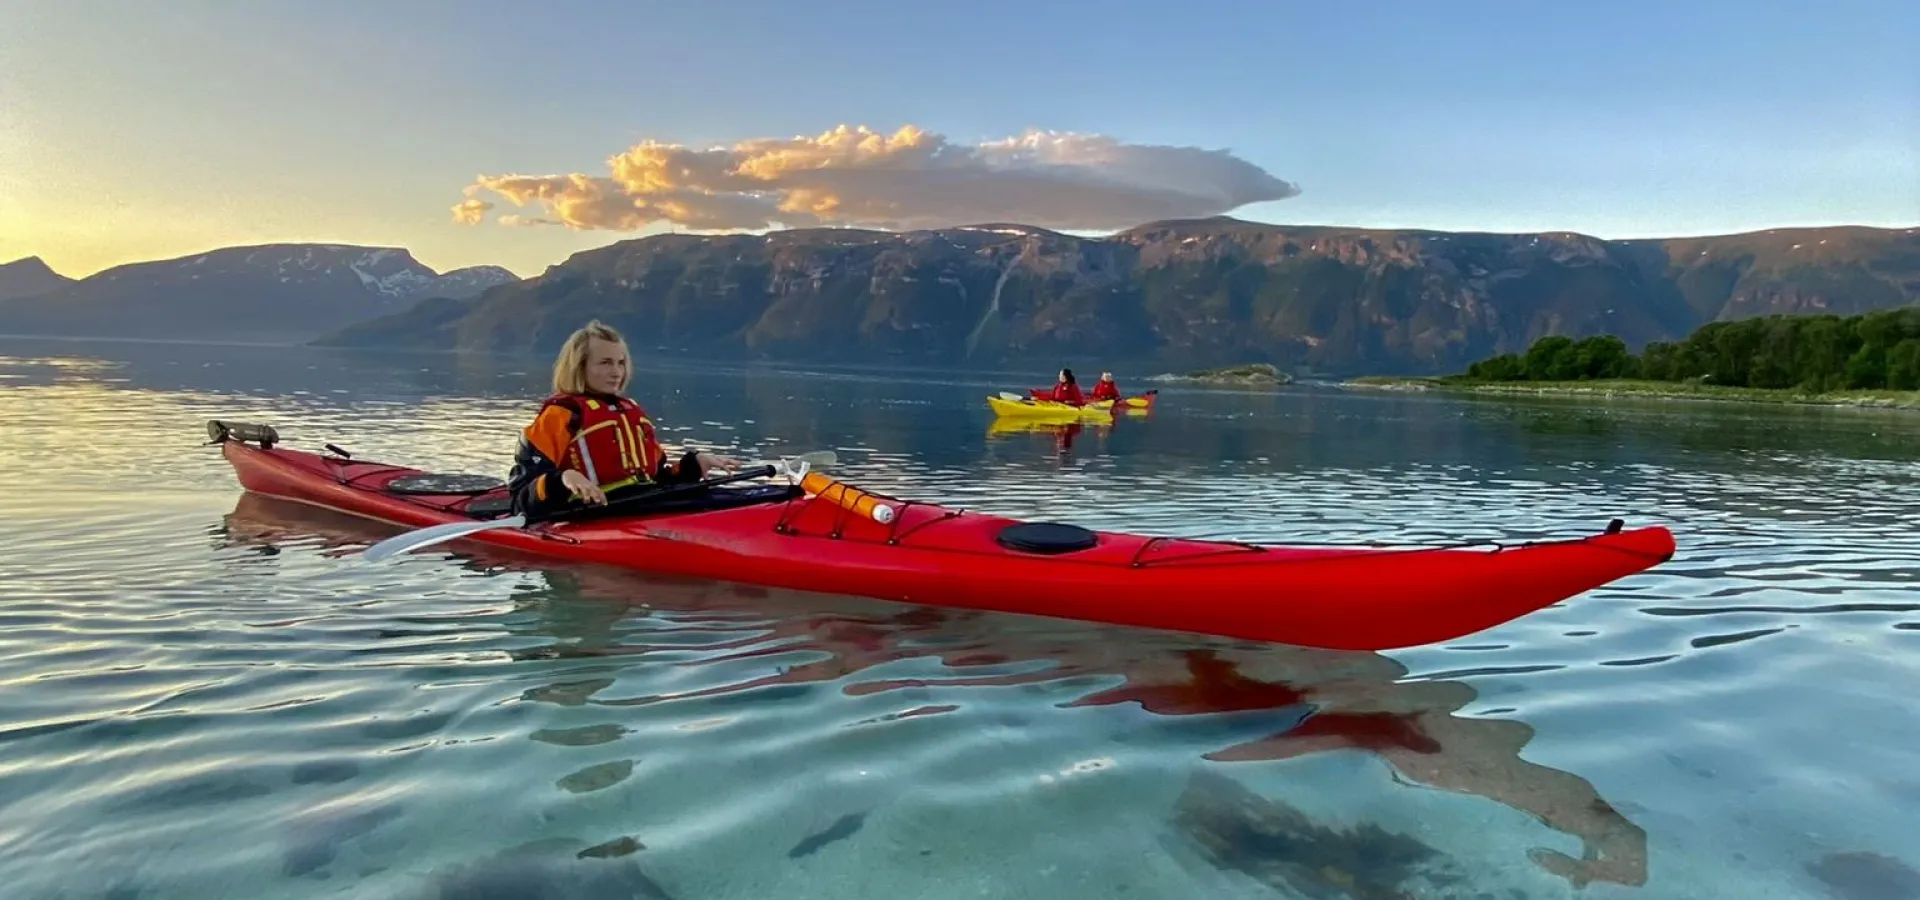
pixel 827 539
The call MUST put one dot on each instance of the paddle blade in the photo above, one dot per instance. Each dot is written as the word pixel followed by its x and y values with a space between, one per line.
pixel 1009 395
pixel 427 537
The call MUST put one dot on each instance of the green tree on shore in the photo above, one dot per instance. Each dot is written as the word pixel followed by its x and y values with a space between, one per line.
pixel 1875 351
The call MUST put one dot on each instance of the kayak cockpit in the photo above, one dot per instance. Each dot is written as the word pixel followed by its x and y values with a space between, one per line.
pixel 1045 538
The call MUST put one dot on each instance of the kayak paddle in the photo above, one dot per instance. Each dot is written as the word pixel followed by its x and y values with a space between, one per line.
pixel 795 468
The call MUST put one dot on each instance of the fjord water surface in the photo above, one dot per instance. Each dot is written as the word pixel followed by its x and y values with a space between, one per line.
pixel 203 694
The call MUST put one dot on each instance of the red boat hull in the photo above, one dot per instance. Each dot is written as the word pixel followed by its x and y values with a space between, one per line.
pixel 1351 598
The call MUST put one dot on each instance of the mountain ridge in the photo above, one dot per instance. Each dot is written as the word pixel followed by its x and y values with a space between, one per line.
pixel 29 276
pixel 1194 293
pixel 1186 292
pixel 275 292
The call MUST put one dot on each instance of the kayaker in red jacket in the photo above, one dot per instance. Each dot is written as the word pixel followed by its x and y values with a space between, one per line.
pixel 1106 388
pixel 1066 390
pixel 589 439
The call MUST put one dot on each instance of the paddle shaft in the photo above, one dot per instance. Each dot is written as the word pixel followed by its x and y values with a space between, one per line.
pixel 616 507
pixel 427 537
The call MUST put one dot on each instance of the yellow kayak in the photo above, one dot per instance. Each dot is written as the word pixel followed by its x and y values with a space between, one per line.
pixel 1136 403
pixel 1048 409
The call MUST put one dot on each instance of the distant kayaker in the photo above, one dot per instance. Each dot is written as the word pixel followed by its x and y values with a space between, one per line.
pixel 589 439
pixel 1066 390
pixel 1106 388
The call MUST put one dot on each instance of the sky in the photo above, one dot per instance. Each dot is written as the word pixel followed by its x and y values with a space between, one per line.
pixel 134 130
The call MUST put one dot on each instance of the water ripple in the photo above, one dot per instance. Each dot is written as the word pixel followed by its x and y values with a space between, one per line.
pixel 205 695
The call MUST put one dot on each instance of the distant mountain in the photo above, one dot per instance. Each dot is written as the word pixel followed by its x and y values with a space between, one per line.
pixel 1845 270
pixel 273 293
pixel 1189 293
pixel 27 277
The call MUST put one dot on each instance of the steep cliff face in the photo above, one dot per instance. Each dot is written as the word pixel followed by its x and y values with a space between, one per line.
pixel 1343 299
pixel 1197 292
pixel 1791 271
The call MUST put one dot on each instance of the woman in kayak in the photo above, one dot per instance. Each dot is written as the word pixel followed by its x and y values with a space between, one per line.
pixel 1066 390
pixel 589 439
pixel 1106 388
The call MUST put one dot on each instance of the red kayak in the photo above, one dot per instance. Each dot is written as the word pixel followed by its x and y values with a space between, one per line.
pixel 1350 598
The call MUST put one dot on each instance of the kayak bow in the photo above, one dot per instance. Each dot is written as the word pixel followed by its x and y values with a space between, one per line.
pixel 812 537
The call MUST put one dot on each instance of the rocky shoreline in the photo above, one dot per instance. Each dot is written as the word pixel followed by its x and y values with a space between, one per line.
pixel 1250 375
pixel 1652 390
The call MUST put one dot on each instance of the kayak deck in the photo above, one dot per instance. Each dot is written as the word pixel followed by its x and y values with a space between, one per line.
pixel 1049 409
pixel 1135 402
pixel 1342 597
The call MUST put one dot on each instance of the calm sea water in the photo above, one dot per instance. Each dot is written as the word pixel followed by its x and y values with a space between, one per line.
pixel 204 694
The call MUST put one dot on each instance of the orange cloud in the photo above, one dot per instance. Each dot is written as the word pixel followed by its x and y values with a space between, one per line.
pixel 472 210
pixel 911 178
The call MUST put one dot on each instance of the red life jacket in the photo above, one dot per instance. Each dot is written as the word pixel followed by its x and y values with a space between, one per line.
pixel 1106 390
pixel 613 442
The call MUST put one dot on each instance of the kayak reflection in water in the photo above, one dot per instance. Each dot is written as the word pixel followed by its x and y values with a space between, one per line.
pixel 1322 700
pixel 1062 434
pixel 1063 438
pixel 588 438
pixel 1318 701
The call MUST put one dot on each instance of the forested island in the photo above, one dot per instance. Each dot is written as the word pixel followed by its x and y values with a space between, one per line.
pixel 1870 359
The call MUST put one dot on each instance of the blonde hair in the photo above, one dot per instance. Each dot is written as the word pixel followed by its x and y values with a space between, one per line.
pixel 570 368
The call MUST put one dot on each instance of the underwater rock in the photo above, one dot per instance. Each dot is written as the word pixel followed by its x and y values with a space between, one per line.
pixel 567 693
pixel 838 831
pixel 314 839
pixel 596 777
pixel 1278 845
pixel 547 870
pixel 406 727
pixel 620 846
pixel 583 736
pixel 1860 875
pixel 325 771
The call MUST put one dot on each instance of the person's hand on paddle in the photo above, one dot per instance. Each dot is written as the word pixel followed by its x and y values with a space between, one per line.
pixel 583 487
pixel 714 462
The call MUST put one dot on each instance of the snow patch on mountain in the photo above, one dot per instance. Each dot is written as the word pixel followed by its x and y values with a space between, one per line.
pixel 385 272
pixel 393 274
